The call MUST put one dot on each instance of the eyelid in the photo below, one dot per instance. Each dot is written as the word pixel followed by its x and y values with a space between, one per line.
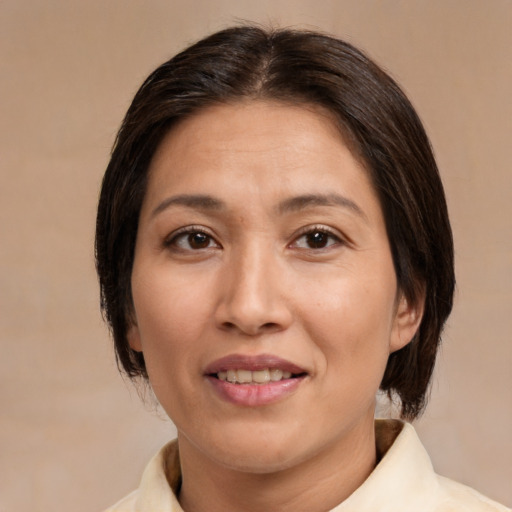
pixel 340 238
pixel 186 230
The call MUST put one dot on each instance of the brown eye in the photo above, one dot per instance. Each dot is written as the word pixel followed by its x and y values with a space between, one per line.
pixel 191 239
pixel 317 239
pixel 198 240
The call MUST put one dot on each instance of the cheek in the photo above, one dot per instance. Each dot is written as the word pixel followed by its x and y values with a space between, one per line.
pixel 351 319
pixel 351 303
pixel 165 298
pixel 353 338
pixel 171 316
pixel 167 324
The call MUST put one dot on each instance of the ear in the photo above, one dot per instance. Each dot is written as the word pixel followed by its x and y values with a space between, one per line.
pixel 133 337
pixel 406 322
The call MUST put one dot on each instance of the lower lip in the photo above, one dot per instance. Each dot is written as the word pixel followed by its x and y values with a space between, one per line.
pixel 253 395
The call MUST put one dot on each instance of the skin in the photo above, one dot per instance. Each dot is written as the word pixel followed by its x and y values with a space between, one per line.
pixel 258 284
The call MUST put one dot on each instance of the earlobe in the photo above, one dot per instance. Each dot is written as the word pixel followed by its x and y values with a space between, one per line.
pixel 133 337
pixel 407 321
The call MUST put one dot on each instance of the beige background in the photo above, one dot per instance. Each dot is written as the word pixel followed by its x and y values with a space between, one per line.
pixel 74 436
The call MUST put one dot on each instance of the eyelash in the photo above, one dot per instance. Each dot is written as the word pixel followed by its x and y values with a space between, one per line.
pixel 183 233
pixel 173 240
pixel 323 230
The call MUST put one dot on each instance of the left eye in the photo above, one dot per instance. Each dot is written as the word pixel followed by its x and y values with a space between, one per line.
pixel 316 239
pixel 192 241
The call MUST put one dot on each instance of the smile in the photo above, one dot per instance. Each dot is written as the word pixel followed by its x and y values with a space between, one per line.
pixel 254 377
pixel 254 380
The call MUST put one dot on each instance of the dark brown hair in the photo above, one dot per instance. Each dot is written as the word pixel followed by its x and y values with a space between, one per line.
pixel 374 117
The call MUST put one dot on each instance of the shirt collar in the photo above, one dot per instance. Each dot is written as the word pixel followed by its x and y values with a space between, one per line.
pixel 402 481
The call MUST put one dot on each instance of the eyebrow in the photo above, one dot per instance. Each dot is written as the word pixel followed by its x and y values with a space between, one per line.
pixel 198 201
pixel 305 201
pixel 293 204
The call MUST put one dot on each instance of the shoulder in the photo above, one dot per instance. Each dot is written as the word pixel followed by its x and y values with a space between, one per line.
pixel 454 496
pixel 405 480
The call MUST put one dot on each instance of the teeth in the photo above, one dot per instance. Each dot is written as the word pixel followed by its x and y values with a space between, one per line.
pixel 244 376
pixel 257 377
pixel 276 374
pixel 261 376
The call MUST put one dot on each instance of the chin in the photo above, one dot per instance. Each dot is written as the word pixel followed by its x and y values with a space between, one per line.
pixel 260 452
pixel 262 461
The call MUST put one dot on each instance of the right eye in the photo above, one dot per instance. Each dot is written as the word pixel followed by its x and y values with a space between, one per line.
pixel 191 239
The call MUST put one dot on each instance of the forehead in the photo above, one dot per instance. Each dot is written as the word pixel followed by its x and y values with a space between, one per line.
pixel 252 118
pixel 268 147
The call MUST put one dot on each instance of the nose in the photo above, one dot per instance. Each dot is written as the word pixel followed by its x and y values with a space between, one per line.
pixel 252 298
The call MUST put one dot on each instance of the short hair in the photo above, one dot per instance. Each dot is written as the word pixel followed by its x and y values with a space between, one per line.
pixel 375 119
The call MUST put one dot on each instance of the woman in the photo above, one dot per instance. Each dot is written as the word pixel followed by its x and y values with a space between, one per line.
pixel 273 248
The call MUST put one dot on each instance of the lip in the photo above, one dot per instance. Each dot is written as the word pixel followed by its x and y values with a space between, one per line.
pixel 254 395
pixel 252 363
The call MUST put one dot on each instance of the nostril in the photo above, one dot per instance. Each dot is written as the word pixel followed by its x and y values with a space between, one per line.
pixel 229 326
pixel 251 330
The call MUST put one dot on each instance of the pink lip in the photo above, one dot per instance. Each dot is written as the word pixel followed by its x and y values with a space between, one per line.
pixel 252 363
pixel 252 395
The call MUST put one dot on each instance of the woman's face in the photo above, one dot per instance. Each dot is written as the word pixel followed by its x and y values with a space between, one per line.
pixel 264 291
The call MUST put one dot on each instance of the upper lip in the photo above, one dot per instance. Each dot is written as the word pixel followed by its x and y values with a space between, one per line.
pixel 252 363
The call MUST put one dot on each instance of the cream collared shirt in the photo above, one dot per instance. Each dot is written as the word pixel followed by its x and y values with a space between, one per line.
pixel 403 481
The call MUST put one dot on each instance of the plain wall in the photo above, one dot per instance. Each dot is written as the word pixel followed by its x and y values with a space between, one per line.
pixel 74 435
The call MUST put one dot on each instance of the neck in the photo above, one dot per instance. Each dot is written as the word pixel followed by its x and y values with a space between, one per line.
pixel 317 484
